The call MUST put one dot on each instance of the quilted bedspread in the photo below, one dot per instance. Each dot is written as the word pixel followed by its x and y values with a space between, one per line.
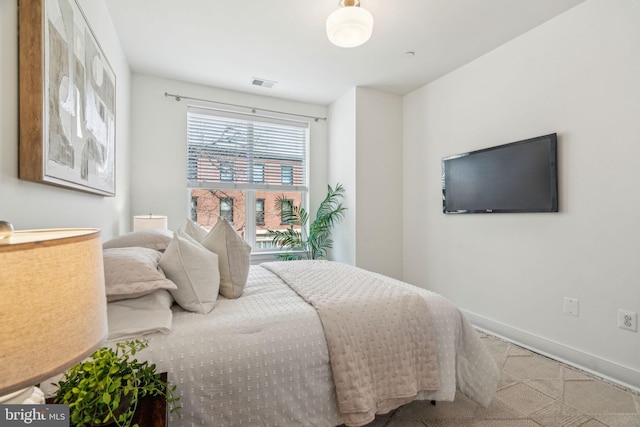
pixel 380 336
pixel 263 360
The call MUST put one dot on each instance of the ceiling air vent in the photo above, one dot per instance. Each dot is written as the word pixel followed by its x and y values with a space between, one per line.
pixel 262 82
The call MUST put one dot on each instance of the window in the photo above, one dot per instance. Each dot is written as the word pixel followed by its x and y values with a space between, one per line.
pixel 286 174
pixel 259 211
pixel 258 173
pixel 194 208
pixel 226 209
pixel 238 165
pixel 285 211
pixel 226 172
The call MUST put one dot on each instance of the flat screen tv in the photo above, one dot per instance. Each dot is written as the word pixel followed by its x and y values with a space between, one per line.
pixel 520 176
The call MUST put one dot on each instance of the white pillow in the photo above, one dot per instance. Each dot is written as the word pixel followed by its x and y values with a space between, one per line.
pixel 194 269
pixel 234 257
pixel 157 239
pixel 132 318
pixel 194 230
pixel 133 272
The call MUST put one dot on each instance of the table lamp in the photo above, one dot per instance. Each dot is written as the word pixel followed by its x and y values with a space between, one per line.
pixel 144 222
pixel 52 305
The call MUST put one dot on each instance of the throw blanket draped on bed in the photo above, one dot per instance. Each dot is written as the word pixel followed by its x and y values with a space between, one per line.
pixel 380 336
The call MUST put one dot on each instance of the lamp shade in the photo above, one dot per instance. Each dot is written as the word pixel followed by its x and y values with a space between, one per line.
pixel 52 303
pixel 349 26
pixel 143 222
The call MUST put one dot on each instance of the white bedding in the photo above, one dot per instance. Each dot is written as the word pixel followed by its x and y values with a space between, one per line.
pixel 380 336
pixel 262 359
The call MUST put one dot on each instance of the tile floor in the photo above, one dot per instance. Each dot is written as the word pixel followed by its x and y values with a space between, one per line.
pixel 533 391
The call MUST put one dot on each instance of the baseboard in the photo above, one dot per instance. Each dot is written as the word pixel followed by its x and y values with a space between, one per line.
pixel 605 369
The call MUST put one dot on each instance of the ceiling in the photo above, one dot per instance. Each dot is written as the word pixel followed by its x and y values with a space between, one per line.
pixel 226 44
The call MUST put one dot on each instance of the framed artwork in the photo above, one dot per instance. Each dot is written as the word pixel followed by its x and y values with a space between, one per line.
pixel 67 99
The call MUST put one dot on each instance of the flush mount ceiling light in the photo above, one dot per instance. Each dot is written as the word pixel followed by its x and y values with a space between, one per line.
pixel 349 26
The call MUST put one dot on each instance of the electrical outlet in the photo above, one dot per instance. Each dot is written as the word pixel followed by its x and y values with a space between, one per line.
pixel 571 306
pixel 627 320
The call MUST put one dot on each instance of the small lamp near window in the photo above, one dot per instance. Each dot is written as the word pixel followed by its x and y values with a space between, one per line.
pixel 145 222
pixel 52 305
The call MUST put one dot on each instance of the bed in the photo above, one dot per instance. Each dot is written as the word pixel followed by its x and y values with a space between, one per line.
pixel 262 358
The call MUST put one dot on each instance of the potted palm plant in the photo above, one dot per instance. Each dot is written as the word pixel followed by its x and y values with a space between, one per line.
pixel 313 244
pixel 106 388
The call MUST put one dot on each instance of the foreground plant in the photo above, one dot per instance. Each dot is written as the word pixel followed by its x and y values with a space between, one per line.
pixel 107 388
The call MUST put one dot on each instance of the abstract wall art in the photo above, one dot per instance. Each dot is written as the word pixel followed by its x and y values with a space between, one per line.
pixel 67 99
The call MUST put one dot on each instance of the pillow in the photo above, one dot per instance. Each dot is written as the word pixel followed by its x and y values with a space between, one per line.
pixel 157 239
pixel 131 318
pixel 234 257
pixel 194 230
pixel 194 269
pixel 133 272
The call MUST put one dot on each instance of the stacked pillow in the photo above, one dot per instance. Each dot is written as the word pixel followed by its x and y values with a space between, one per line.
pixel 194 269
pixel 139 301
pixel 133 272
pixel 146 271
pixel 157 239
pixel 234 257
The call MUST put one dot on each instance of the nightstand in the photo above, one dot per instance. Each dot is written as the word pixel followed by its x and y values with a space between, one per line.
pixel 152 410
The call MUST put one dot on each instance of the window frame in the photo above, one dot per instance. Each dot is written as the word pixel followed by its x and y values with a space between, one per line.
pixel 256 171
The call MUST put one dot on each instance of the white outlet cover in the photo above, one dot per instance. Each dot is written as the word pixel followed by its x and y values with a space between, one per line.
pixel 571 306
pixel 628 320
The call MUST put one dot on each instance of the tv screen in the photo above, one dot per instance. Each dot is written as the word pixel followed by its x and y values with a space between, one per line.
pixel 518 177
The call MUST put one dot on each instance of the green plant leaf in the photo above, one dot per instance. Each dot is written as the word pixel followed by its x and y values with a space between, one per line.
pixel 315 245
pixel 94 389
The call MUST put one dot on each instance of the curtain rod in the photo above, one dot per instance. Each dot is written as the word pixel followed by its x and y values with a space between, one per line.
pixel 253 110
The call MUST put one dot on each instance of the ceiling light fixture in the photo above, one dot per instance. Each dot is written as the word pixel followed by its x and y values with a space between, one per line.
pixel 349 26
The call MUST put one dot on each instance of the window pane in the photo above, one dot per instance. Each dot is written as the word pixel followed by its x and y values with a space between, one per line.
pixel 286 175
pixel 259 211
pixel 258 173
pixel 285 211
pixel 194 208
pixel 226 172
pixel 226 209
pixel 208 205
pixel 272 217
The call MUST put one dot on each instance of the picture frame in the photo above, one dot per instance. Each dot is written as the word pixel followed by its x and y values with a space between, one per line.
pixel 67 98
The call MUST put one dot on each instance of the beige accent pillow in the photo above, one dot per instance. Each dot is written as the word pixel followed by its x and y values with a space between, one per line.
pixel 194 269
pixel 133 272
pixel 194 230
pixel 234 257
pixel 153 239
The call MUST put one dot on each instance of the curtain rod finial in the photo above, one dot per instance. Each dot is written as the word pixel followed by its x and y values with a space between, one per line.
pixel 177 97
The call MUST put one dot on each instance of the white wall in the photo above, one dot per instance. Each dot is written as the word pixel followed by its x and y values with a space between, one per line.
pixel 365 155
pixel 159 150
pixel 33 205
pixel 576 75
pixel 379 175
pixel 342 169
